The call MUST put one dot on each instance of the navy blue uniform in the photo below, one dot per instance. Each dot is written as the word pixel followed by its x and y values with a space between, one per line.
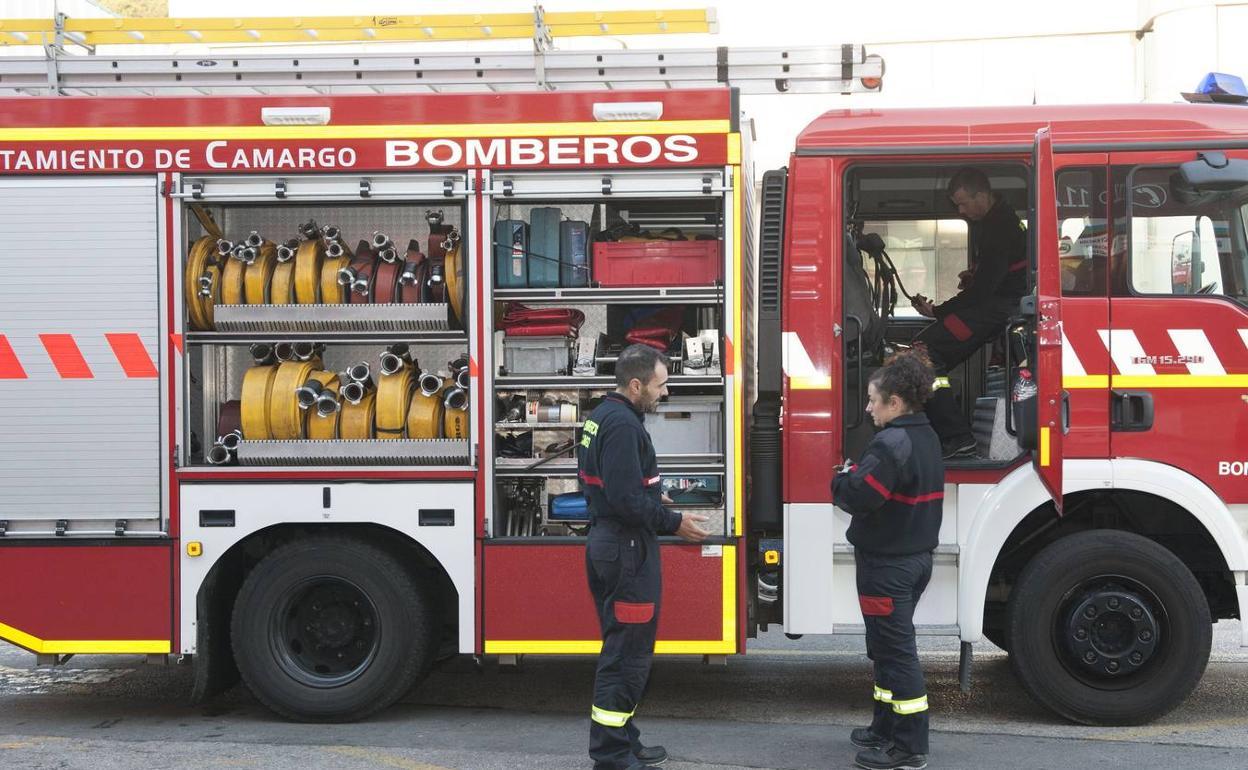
pixel 977 313
pixel 620 475
pixel 895 494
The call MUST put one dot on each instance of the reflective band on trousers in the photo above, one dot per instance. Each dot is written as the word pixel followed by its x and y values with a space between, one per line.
pixel 883 695
pixel 940 382
pixel 610 718
pixel 912 706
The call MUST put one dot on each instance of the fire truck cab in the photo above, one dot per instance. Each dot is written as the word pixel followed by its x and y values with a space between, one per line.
pixel 1100 531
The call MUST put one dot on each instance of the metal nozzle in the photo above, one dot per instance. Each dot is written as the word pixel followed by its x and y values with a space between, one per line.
pixel 459 363
pixel 262 353
pixel 205 285
pixel 456 398
pixel 327 403
pixel 360 372
pixel 330 232
pixel 462 379
pixel 309 393
pixel 408 276
pixel 391 363
pixel 309 230
pixel 353 392
pixel 285 253
pixel 218 455
pixel 231 440
pixel 346 276
pixel 430 384
pixel 434 217
pixel 381 240
pixel 254 240
pixel 303 351
pixel 334 250
pixel 224 247
pixel 388 254
pixel 284 351
pixel 249 254
pixel 360 286
pixel 237 252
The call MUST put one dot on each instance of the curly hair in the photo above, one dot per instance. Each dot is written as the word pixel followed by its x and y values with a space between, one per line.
pixel 908 375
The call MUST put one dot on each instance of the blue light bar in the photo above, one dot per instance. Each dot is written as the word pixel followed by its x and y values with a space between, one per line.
pixel 1219 87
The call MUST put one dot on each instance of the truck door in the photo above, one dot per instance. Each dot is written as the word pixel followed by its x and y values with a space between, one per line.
pixel 1051 409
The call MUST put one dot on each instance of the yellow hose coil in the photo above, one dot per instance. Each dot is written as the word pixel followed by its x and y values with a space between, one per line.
pixel 286 419
pixel 257 385
pixel 332 292
pixel 199 263
pixel 394 394
pixel 282 289
pixel 455 423
pixel 324 427
pixel 356 420
pixel 455 283
pixel 308 267
pixel 259 275
pixel 232 276
pixel 425 416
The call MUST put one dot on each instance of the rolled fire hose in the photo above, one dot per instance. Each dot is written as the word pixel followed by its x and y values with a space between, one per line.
pixel 332 292
pixel 309 258
pixel 323 418
pixel 259 274
pixel 205 219
pixel 357 420
pixel 286 419
pixel 257 385
pixel 455 420
pixel 394 396
pixel 426 415
pixel 198 295
pixel 455 283
pixel 233 273
pixel 412 276
pixel 357 276
pixel 386 282
pixel 282 288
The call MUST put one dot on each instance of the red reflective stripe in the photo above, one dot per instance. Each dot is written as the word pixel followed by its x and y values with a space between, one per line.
pixel 1019 265
pixel 930 496
pixel 132 355
pixel 177 341
pixel 591 480
pixel 66 356
pixel 957 327
pixel 628 612
pixel 883 490
pixel 876 606
pixel 878 487
pixel 10 367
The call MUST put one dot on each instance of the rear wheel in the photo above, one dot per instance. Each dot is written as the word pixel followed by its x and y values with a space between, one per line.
pixel 1108 628
pixel 331 630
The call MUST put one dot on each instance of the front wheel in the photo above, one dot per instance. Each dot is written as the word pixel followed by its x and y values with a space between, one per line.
pixel 1108 628
pixel 331 630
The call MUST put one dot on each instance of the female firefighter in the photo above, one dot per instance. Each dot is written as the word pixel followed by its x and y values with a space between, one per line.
pixel 894 494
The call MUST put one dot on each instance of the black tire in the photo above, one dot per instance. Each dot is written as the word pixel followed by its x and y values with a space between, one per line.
pixel 331 630
pixel 1108 628
pixel 996 635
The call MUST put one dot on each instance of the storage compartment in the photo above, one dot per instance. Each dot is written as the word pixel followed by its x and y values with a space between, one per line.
pixel 538 355
pixel 687 425
pixel 657 263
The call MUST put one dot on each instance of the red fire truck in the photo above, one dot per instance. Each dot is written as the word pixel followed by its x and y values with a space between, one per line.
pixel 298 400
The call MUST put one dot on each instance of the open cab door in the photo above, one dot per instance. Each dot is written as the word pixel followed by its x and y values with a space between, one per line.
pixel 1051 411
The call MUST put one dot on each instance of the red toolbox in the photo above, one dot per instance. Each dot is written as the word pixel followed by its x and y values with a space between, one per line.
pixel 657 263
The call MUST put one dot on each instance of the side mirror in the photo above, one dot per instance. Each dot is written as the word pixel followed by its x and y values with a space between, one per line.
pixel 1181 262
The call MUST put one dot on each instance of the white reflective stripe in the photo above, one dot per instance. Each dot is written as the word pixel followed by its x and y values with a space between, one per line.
pixel 1243 335
pixel 1071 365
pixel 912 706
pixel 1193 344
pixel 609 718
pixel 940 382
pixel 1124 348
pixel 883 695
pixel 653 480
pixel 796 361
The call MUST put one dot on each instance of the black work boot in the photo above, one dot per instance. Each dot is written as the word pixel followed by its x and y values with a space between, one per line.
pixel 863 738
pixel 651 755
pixel 891 759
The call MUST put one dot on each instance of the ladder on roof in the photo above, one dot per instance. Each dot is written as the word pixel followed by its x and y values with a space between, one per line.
pixel 816 69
